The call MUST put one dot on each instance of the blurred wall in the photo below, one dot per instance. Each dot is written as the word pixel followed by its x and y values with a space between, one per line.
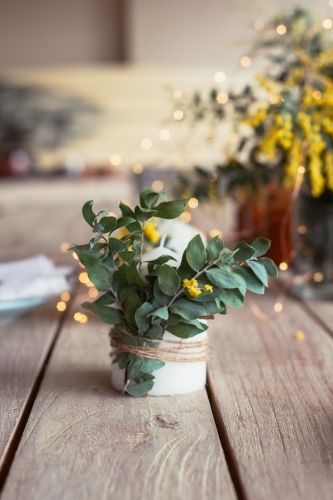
pixel 46 32
pixel 200 31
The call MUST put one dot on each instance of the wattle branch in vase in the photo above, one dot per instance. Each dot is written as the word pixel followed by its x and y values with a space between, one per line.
pixel 146 295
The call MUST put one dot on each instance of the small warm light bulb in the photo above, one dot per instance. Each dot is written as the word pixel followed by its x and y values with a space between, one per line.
pixel 301 170
pixel 210 132
pixel 302 229
pixel 65 296
pixel 177 93
pixel 259 25
pixel 283 266
pixel 185 217
pixel 75 256
pixel 222 97
pixel 84 318
pixel 281 29
pixel 178 114
pixel 138 168
pixel 157 186
pixel 92 293
pixel 83 277
pixel 146 143
pixel 215 232
pixel 164 134
pixel 219 76
pixel 61 306
pixel 232 138
pixel 115 160
pixel 89 283
pixel 318 277
pixel 245 61
pixel 327 23
pixel 77 316
pixel 317 95
pixel 300 335
pixel 193 203
pixel 278 307
pixel 64 247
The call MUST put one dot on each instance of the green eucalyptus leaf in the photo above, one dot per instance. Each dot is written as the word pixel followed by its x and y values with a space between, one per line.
pixel 121 359
pixel 133 276
pixel 116 245
pixel 154 332
pixel 270 267
pixel 126 211
pixel 130 306
pixel 214 248
pixel 259 270
pixel 107 299
pixel 245 252
pixel 252 282
pixel 241 283
pixel 222 278
pixel 144 214
pixel 196 253
pixel 185 271
pixel 108 224
pixel 161 298
pixel 127 255
pixel 97 228
pixel 134 367
pixel 88 214
pixel 143 194
pixel 184 330
pixel 160 260
pixel 214 307
pixel 151 199
pixel 108 315
pixel 119 279
pixel 150 365
pixel 188 309
pixel 99 275
pixel 168 280
pixel 140 389
pixel 171 209
pixel 141 317
pixel 232 297
pixel 261 246
pixel 161 312
pixel 125 221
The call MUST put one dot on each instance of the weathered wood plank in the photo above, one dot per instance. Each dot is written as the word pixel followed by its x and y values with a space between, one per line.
pixel 274 394
pixel 84 440
pixel 323 312
pixel 24 347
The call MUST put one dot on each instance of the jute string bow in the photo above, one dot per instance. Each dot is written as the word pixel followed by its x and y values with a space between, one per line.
pixel 181 350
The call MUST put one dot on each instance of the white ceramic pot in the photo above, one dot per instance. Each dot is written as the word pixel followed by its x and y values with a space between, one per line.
pixel 174 377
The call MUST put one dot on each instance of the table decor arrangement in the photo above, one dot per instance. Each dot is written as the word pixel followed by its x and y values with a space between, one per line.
pixel 282 136
pixel 158 302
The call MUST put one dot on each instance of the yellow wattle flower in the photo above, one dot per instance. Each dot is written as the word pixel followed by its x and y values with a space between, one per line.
pixel 151 233
pixel 209 288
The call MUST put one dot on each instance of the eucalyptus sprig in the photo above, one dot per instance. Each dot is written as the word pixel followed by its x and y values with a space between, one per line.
pixel 144 301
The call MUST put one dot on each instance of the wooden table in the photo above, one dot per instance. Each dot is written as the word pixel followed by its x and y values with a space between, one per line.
pixel 262 429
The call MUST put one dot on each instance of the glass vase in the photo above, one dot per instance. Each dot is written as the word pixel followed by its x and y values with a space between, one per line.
pixel 314 245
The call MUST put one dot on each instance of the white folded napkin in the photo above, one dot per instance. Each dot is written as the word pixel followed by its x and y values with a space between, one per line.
pixel 33 277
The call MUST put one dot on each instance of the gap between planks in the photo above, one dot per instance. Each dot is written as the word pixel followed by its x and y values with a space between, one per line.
pixel 9 453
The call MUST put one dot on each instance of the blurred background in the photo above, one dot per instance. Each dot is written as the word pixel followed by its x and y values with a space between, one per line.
pixel 93 100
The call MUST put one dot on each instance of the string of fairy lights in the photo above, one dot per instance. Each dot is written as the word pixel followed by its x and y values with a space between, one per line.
pixel 164 135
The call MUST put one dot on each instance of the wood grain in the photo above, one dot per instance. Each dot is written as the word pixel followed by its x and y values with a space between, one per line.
pixel 323 312
pixel 84 440
pixel 274 399
pixel 24 347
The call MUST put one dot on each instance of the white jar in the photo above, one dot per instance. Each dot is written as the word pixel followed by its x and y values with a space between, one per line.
pixel 174 377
